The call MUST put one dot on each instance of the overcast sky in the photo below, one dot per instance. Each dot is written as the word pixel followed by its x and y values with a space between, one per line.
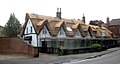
pixel 93 9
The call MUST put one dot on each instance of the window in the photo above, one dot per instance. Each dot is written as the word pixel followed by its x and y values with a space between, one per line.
pixel 61 31
pixel 78 33
pixel 29 21
pixel 82 43
pixel 27 30
pixel 95 33
pixel 31 29
pixel 119 23
pixel 103 34
pixel 85 33
pixel 44 31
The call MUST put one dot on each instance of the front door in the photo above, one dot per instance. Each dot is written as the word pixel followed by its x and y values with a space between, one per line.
pixel 44 46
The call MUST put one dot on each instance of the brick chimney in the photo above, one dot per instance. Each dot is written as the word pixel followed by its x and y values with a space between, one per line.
pixel 83 18
pixel 108 21
pixel 58 13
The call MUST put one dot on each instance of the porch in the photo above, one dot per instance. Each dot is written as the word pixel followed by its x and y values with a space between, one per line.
pixel 73 46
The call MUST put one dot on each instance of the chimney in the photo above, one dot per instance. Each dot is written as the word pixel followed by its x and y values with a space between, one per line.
pixel 108 21
pixel 83 18
pixel 100 23
pixel 58 13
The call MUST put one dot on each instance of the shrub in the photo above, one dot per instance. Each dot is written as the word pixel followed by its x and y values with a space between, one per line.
pixel 96 47
pixel 61 51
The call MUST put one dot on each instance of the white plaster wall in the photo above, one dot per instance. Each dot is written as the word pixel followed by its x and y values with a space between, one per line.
pixel 88 35
pixel 78 36
pixel 34 39
pixel 39 42
pixel 34 36
pixel 44 35
pixel 29 25
pixel 61 36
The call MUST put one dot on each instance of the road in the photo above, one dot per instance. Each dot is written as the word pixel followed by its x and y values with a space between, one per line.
pixel 112 58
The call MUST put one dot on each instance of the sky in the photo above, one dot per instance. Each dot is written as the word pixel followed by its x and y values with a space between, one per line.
pixel 71 9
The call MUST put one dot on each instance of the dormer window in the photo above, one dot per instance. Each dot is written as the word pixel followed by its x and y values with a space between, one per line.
pixel 69 29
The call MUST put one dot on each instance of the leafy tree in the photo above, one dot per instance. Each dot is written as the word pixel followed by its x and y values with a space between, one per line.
pixel 12 27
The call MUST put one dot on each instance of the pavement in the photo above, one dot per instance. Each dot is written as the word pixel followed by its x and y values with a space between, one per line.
pixel 12 56
pixel 52 58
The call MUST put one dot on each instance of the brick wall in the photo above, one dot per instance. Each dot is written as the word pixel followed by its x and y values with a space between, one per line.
pixel 17 46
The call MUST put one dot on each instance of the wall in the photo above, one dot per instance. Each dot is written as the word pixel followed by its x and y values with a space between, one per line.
pixel 78 34
pixel 34 39
pixel 29 25
pixel 17 46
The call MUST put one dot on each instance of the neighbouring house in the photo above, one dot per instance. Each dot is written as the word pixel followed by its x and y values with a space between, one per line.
pixel 1 30
pixel 114 26
pixel 49 33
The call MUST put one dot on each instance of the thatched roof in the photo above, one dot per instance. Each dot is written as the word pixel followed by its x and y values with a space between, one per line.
pixel 70 26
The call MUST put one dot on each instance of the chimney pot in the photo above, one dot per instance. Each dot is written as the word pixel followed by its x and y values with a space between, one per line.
pixel 108 21
pixel 83 18
pixel 58 13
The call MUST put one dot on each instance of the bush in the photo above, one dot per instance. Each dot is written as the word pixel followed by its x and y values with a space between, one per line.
pixel 96 47
pixel 60 52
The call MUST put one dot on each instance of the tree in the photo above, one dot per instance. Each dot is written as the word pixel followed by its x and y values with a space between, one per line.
pixel 12 27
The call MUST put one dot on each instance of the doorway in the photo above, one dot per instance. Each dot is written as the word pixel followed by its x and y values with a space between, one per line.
pixel 44 47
